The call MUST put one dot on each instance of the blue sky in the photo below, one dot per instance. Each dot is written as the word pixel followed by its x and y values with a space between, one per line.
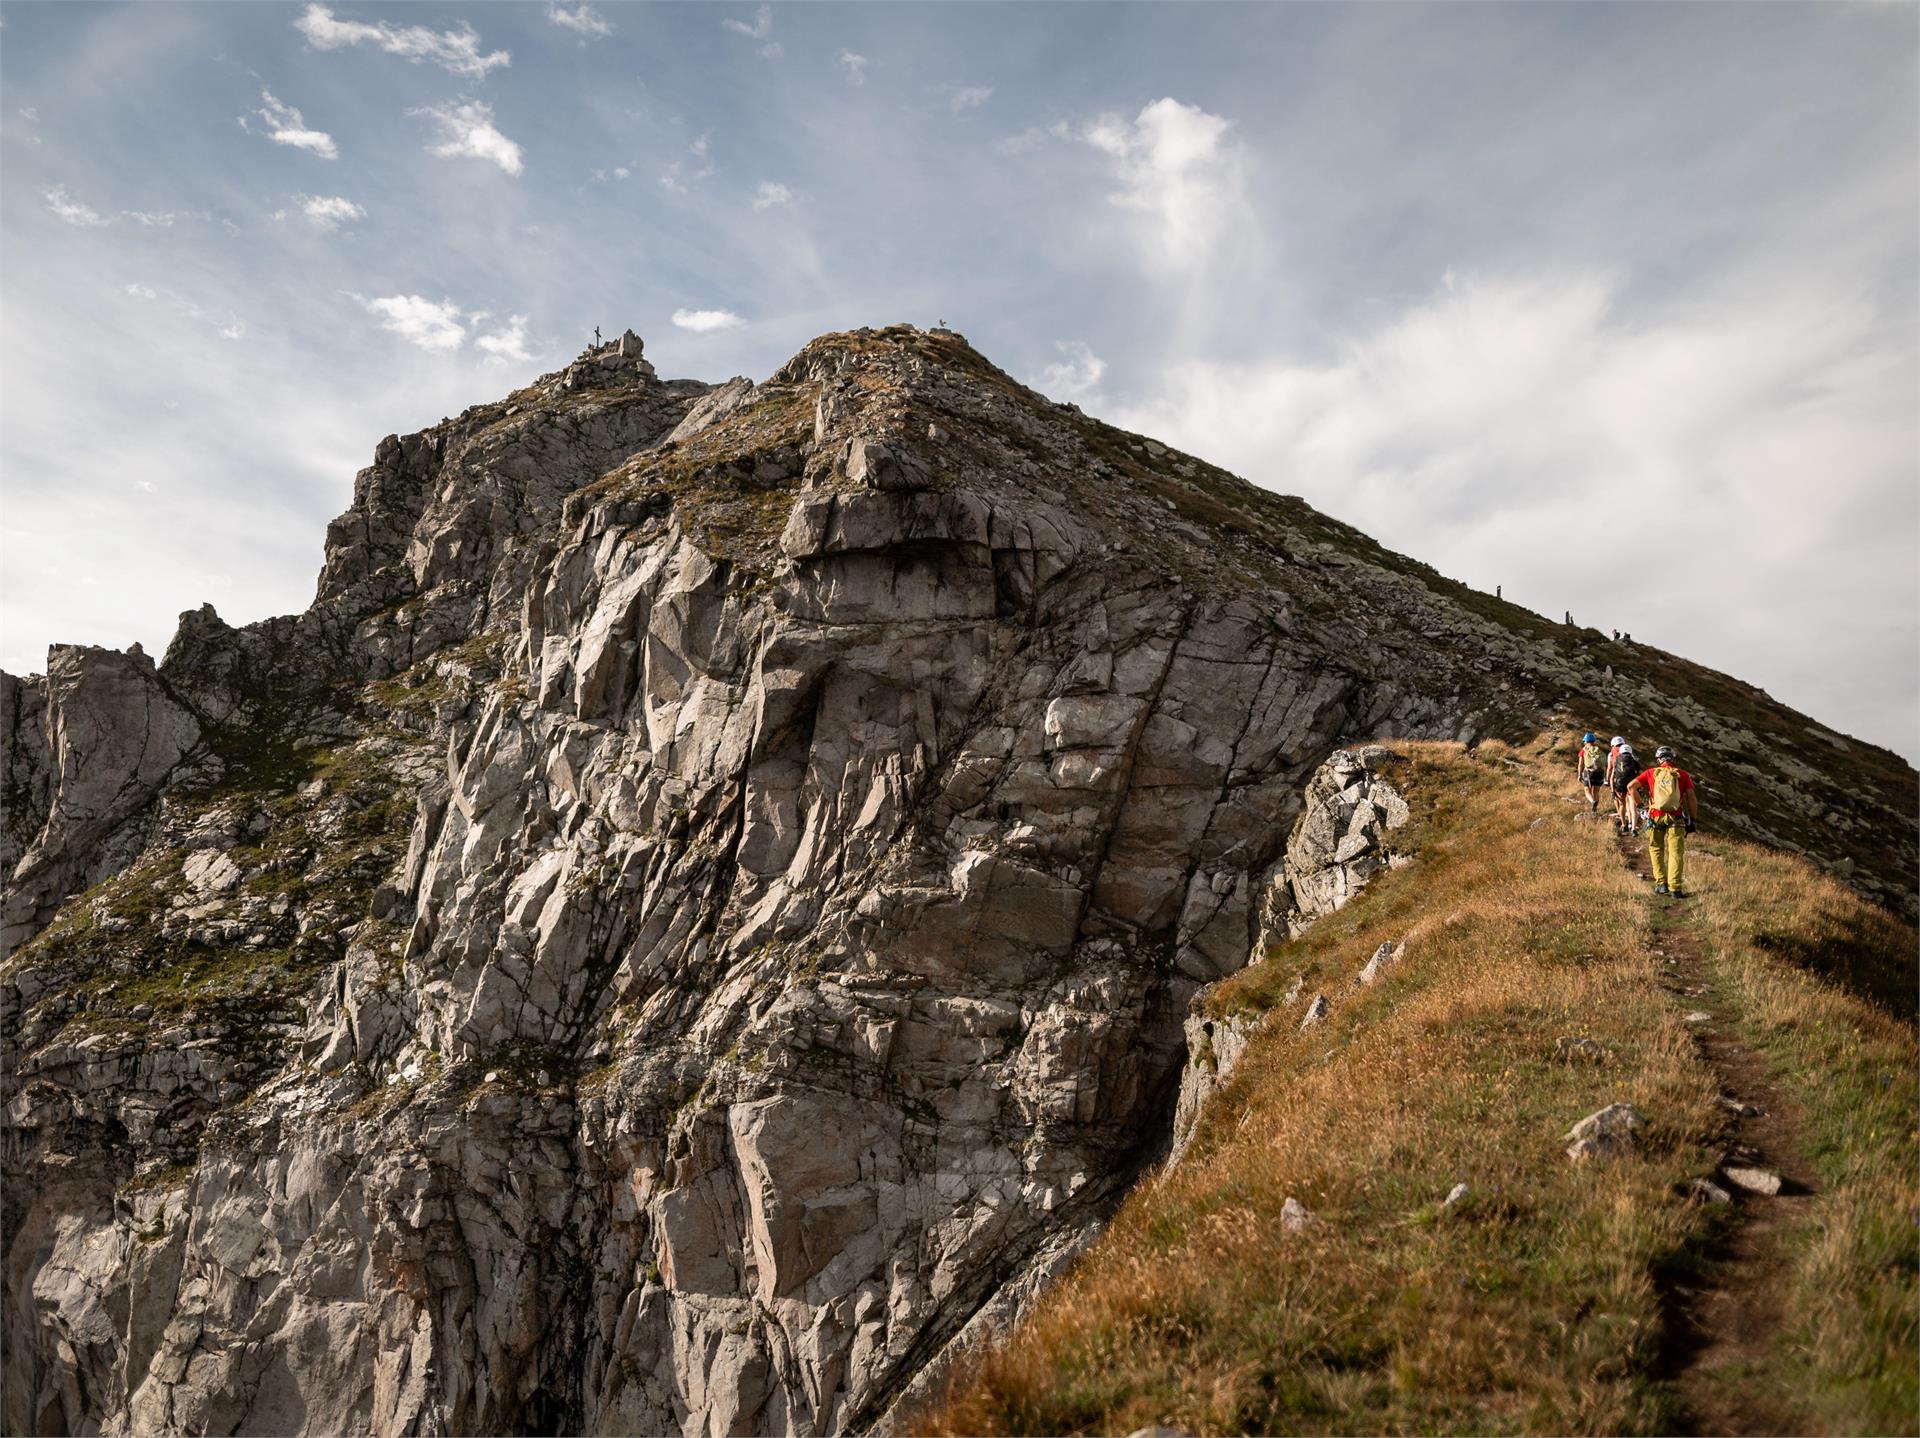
pixel 1614 305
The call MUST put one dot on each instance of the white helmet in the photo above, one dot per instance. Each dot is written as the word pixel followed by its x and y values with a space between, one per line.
pixel 1625 748
pixel 1619 743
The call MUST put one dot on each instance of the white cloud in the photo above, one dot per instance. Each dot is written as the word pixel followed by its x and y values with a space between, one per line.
pixel 581 19
pixel 691 168
pixel 152 219
pixel 772 195
pixel 1179 172
pixel 969 97
pixel 435 328
pixel 29 113
pixel 1533 432
pixel 456 51
pixel 71 210
pixel 1077 377
pixel 286 126
pixel 1034 137
pixel 467 129
pixel 706 321
pixel 761 27
pixel 328 212
pixel 855 66
pixel 228 326
pixel 507 344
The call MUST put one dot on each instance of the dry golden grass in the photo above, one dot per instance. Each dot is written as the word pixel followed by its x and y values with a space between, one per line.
pixel 1530 1307
pixel 1845 1360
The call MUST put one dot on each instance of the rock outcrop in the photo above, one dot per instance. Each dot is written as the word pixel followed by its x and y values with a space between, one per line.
pixel 699 916
pixel 1338 843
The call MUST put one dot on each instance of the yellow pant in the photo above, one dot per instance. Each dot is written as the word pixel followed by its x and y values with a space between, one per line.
pixel 1667 847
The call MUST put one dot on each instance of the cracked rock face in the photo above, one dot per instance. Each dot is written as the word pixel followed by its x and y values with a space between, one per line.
pixel 697 919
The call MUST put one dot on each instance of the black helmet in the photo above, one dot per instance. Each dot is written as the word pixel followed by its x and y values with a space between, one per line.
pixel 1665 751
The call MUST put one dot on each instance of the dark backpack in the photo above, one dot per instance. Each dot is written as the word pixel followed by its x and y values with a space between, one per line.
pixel 1625 768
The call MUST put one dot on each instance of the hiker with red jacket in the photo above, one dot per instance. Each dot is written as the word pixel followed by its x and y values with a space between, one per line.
pixel 1672 809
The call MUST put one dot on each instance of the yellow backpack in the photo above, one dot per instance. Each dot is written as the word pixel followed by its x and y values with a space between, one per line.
pixel 1590 759
pixel 1665 785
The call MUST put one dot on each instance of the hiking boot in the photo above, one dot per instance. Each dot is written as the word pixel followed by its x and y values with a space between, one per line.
pixel 1662 889
pixel 1677 893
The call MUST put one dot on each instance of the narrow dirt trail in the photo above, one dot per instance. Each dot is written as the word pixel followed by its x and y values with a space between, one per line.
pixel 1723 1317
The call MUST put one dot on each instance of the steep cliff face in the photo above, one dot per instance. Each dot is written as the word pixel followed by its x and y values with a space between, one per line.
pixel 704 905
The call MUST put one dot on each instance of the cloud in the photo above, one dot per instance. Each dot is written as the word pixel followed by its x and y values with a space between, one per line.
pixel 228 326
pixel 456 51
pixel 466 129
pixel 152 219
pixel 706 321
pixel 507 344
pixel 1179 172
pixel 581 19
pixel 761 27
pixel 969 97
pixel 694 166
pixel 1534 431
pixel 1034 137
pixel 328 212
pixel 856 67
pixel 1075 378
pixel 286 126
pixel 772 195
pixel 435 328
pixel 71 210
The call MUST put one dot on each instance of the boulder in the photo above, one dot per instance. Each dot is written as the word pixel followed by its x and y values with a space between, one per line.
pixel 1604 1133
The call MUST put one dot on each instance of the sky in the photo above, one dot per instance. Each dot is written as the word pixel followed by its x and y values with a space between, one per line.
pixel 1612 305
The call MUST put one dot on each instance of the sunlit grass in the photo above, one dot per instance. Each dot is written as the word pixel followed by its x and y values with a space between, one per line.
pixel 1532 1306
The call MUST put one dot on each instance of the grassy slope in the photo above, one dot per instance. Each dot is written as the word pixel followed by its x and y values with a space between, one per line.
pixel 1845 1360
pixel 1534 1305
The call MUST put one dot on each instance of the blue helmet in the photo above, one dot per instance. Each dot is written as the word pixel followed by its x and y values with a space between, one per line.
pixel 1587 738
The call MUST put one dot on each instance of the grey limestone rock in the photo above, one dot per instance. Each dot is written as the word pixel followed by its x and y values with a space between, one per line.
pixel 1603 1133
pixel 106 739
pixel 678 937
pixel 1761 1181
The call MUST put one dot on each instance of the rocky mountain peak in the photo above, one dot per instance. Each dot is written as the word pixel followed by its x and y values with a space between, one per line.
pixel 701 912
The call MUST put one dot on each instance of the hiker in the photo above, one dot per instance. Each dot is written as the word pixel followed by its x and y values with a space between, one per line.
pixel 1622 766
pixel 1496 591
pixel 1671 812
pixel 1591 766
